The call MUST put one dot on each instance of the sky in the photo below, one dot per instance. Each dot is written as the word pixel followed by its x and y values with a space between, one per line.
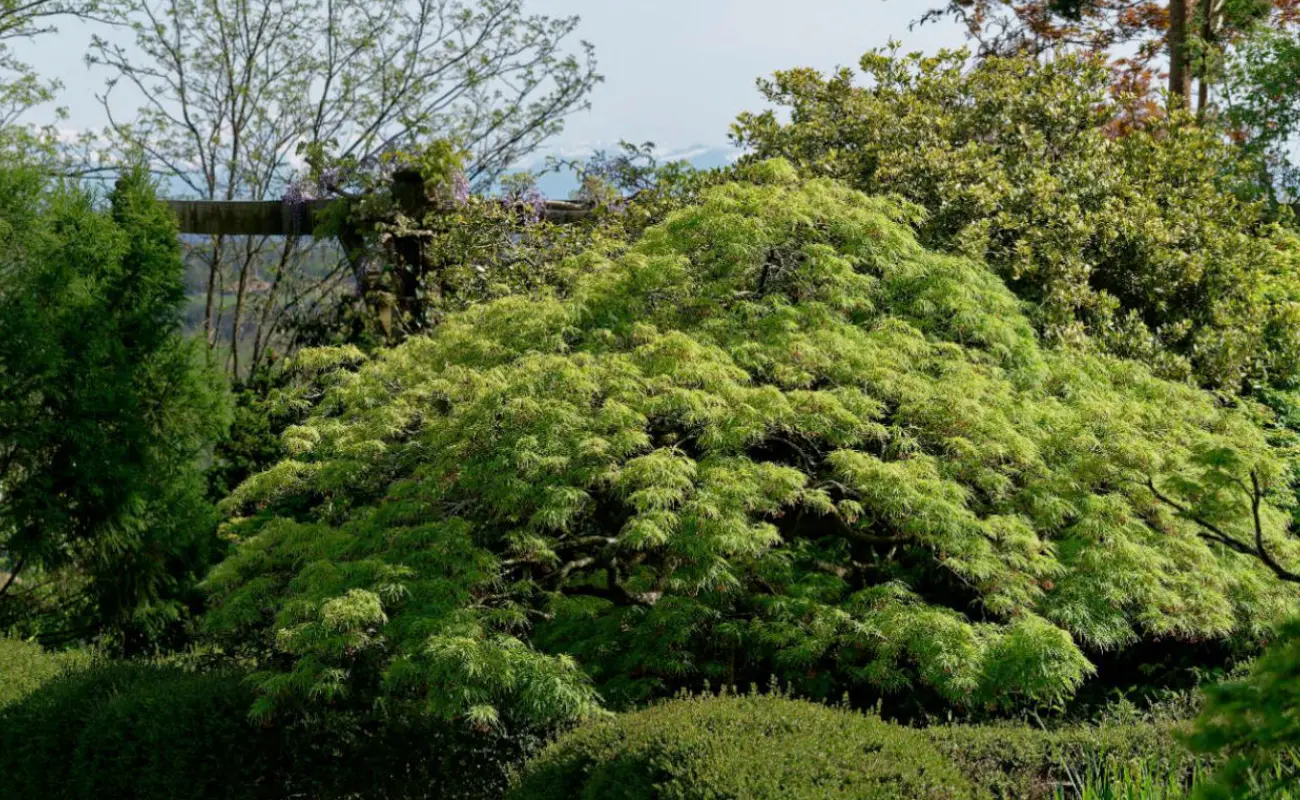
pixel 677 72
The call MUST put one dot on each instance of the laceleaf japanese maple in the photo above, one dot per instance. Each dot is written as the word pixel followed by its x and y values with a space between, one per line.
pixel 777 437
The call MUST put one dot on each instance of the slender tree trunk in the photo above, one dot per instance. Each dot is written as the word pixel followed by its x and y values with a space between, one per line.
pixel 13 575
pixel 214 280
pixel 251 253
pixel 262 336
pixel 1180 73
pixel 1209 32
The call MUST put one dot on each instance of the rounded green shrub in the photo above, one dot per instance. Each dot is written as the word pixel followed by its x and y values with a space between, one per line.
pixel 128 730
pixel 749 747
pixel 25 667
pixel 177 735
pixel 39 735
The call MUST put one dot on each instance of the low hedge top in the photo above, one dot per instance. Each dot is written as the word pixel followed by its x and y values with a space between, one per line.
pixel 25 667
pixel 741 748
pixel 776 437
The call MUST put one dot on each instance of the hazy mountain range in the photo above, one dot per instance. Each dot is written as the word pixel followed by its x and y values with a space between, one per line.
pixel 560 185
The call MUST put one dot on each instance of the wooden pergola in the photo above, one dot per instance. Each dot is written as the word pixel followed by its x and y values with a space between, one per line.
pixel 278 218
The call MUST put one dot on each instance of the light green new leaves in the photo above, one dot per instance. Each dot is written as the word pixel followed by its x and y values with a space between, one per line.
pixel 776 437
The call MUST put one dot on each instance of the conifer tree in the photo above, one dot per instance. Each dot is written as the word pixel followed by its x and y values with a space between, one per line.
pixel 105 412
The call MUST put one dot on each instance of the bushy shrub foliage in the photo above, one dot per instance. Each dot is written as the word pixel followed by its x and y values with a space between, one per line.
pixel 25 667
pixel 779 437
pixel 1253 723
pixel 141 731
pixel 39 735
pixel 741 748
pixel 1147 244
pixel 1010 761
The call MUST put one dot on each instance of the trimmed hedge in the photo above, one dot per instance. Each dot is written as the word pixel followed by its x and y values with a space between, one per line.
pixel 143 731
pixel 162 733
pixel 747 748
pixel 25 667
pixel 1016 762
pixel 178 735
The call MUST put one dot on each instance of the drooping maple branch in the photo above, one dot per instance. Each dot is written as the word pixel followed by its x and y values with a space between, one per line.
pixel 614 592
pixel 1255 500
pixel 1213 533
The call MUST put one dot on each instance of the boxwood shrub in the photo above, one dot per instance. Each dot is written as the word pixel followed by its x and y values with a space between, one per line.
pixel 742 747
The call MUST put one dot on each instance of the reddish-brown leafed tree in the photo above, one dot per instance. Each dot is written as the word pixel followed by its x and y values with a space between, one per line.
pixel 1145 39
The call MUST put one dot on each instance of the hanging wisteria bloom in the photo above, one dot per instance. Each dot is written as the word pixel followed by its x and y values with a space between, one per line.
pixel 460 189
pixel 300 191
pixel 528 200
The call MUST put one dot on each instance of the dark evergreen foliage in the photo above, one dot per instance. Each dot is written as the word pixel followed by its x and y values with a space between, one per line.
pixel 105 413
pixel 146 732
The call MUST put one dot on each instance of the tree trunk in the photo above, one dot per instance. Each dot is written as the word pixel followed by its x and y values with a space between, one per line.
pixel 1180 73
pixel 214 281
pixel 251 253
pixel 262 336
pixel 1210 11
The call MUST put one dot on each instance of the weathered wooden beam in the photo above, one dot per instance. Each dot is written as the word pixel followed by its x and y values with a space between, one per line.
pixel 276 218
pixel 247 217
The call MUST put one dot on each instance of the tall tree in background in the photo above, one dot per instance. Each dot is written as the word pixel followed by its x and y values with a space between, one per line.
pixel 1187 37
pixel 1262 106
pixel 105 411
pixel 20 20
pixel 231 91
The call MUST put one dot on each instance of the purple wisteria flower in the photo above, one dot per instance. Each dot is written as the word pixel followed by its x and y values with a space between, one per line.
pixel 459 189
pixel 529 201
pixel 300 191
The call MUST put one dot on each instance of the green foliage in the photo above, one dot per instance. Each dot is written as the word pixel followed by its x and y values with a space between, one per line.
pixel 170 734
pixel 1126 782
pixel 1263 107
pixel 423 245
pixel 777 436
pixel 25 667
pixel 105 411
pixel 141 731
pixel 1016 762
pixel 39 735
pixel 1140 243
pixel 1253 724
pixel 740 748
pixel 252 442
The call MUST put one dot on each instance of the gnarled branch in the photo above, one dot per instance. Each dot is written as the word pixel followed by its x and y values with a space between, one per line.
pixel 1213 533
